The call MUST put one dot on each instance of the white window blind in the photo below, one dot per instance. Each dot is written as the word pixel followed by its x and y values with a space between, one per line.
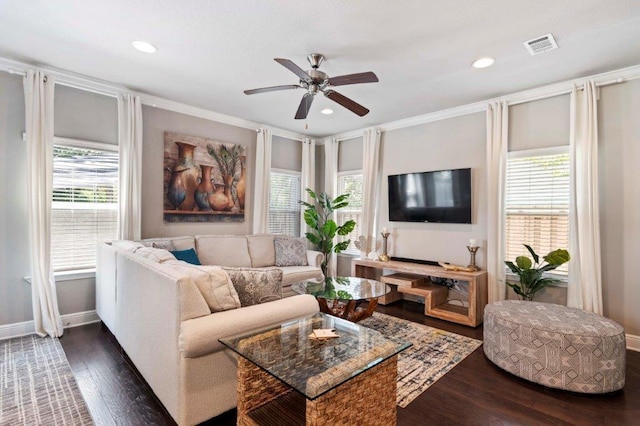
pixel 537 204
pixel 351 183
pixel 284 206
pixel 85 204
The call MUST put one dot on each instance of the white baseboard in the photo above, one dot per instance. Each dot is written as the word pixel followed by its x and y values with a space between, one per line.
pixel 633 342
pixel 25 328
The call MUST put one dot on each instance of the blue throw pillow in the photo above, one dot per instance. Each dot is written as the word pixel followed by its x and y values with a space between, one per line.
pixel 188 256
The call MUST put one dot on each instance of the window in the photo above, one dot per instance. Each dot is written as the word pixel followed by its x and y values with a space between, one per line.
pixel 85 202
pixel 537 202
pixel 284 208
pixel 351 183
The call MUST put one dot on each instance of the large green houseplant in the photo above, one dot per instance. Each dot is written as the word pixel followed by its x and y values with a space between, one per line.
pixel 323 229
pixel 531 273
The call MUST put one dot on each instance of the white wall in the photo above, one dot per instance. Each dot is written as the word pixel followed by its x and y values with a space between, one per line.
pixel 15 293
pixel 447 144
pixel 619 173
pixel 155 122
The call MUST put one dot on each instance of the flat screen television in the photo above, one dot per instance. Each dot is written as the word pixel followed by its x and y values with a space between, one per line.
pixel 442 196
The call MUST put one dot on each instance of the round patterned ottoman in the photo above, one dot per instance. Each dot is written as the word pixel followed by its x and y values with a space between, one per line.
pixel 555 346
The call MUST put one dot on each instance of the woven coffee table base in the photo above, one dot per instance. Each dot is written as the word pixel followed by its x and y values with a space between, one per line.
pixel 367 399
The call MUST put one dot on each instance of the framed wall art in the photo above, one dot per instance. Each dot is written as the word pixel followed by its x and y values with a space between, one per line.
pixel 204 180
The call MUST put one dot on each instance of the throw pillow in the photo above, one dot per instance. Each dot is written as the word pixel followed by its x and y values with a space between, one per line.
pixel 255 286
pixel 290 251
pixel 165 245
pixel 154 254
pixel 188 256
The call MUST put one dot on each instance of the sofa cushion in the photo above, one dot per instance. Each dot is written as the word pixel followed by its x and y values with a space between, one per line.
pixel 223 250
pixel 261 250
pixel 290 251
pixel 213 282
pixel 130 246
pixel 293 274
pixel 155 254
pixel 165 245
pixel 255 286
pixel 188 256
pixel 199 336
pixel 180 243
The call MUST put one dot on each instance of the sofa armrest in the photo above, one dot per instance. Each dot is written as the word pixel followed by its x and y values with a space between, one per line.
pixel 199 336
pixel 314 258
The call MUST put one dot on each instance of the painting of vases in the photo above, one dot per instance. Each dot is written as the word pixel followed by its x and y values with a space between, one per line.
pixel 204 180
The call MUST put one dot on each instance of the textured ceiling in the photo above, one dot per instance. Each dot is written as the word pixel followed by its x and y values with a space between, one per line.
pixel 421 50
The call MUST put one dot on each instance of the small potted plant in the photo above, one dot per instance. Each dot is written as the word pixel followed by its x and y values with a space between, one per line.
pixel 531 273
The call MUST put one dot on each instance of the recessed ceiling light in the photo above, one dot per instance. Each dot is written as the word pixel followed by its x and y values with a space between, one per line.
pixel 144 46
pixel 483 62
pixel 327 111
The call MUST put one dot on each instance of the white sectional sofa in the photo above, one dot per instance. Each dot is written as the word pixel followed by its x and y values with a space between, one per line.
pixel 168 315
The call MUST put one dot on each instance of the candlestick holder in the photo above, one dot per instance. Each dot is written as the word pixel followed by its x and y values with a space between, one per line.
pixel 472 262
pixel 384 257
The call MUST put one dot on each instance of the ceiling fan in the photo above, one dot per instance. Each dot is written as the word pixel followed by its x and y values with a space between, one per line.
pixel 315 81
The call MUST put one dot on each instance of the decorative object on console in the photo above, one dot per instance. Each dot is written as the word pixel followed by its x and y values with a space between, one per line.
pixel 531 274
pixel 203 179
pixel 366 245
pixel 384 257
pixel 324 229
pixel 473 249
pixel 451 267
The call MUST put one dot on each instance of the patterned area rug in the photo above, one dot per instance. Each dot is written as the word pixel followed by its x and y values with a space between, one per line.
pixel 37 386
pixel 433 354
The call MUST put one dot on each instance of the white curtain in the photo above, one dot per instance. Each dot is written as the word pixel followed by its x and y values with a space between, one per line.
pixel 497 139
pixel 38 94
pixel 263 169
pixel 331 185
pixel 308 176
pixel 130 167
pixel 370 181
pixel 585 276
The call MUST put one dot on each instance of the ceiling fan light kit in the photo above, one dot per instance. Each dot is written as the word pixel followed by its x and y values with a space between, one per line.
pixel 315 81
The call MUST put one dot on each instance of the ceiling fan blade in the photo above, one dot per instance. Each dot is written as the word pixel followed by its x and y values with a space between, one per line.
pixel 362 77
pixel 305 106
pixel 293 68
pixel 271 89
pixel 349 104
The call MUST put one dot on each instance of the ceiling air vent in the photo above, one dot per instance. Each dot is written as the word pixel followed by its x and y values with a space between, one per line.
pixel 541 44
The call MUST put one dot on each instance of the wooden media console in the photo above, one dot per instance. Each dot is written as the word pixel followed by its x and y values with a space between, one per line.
pixel 414 278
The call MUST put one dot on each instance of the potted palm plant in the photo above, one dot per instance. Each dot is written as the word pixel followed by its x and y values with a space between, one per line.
pixel 531 273
pixel 323 228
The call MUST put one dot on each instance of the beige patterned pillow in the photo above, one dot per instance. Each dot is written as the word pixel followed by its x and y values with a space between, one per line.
pixel 255 286
pixel 290 251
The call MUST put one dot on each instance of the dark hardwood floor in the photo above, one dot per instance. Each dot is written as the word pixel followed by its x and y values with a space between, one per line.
pixel 475 392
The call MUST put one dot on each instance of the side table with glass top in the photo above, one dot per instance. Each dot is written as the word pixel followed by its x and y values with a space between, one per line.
pixel 285 377
pixel 350 298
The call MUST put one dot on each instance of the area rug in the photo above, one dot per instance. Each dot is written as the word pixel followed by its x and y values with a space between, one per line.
pixel 433 354
pixel 37 386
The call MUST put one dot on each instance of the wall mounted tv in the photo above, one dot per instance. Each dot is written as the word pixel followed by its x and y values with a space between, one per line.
pixel 442 196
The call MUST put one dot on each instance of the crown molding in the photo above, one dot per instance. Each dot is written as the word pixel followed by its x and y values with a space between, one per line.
pixel 542 92
pixel 101 87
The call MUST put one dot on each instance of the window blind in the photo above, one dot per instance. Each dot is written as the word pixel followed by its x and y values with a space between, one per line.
pixel 284 206
pixel 537 205
pixel 84 206
pixel 351 183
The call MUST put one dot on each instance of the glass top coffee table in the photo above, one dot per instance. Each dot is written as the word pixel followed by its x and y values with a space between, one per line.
pixel 287 377
pixel 350 298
